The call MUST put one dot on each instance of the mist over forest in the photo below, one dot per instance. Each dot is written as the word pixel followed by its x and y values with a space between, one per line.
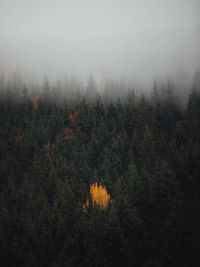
pixel 99 133
pixel 137 41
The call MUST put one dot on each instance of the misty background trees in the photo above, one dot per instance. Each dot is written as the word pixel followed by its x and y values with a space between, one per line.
pixel 137 40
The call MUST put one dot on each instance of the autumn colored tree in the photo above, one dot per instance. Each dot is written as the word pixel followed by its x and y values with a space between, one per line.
pixel 99 197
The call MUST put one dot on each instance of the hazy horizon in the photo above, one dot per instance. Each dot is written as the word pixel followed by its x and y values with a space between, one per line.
pixel 136 40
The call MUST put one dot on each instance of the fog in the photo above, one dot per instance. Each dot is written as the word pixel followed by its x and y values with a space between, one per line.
pixel 137 40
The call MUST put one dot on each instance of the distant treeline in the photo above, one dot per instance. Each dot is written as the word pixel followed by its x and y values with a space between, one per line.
pixel 59 150
pixel 73 89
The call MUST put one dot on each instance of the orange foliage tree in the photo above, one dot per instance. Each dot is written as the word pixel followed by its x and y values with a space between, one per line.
pixel 35 101
pixel 99 197
pixel 68 132
pixel 73 117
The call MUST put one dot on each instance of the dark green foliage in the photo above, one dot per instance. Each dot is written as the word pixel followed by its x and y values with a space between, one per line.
pixel 145 151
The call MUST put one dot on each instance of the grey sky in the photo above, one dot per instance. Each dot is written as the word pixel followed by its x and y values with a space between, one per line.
pixel 135 39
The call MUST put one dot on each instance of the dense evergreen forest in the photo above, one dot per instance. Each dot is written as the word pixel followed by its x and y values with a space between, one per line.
pixel 91 182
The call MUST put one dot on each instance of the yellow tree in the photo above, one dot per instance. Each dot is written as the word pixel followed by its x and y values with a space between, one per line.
pixel 99 197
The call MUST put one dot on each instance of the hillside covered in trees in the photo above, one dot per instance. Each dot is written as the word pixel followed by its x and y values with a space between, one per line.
pixel 94 182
